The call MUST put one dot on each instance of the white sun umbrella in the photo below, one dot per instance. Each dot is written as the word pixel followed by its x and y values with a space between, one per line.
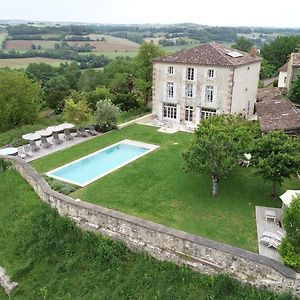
pixel 288 196
pixel 44 132
pixel 31 136
pixel 67 125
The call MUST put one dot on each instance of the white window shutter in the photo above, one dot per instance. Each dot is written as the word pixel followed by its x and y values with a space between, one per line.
pixel 195 90
pixel 215 73
pixel 195 74
pixel 215 94
pixel 203 94
pixel 184 74
pixel 164 93
pixel 175 90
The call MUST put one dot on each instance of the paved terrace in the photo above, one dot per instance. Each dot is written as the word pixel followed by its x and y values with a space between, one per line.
pixel 268 226
pixel 66 144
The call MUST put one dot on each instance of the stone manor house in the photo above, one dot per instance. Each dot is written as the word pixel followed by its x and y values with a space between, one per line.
pixel 210 79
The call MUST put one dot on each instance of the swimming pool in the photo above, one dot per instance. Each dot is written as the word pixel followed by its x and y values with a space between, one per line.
pixel 100 163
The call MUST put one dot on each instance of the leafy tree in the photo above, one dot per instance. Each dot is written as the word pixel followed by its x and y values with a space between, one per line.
pixel 147 52
pixel 56 89
pixel 289 248
pixel 267 70
pixel 42 72
pixel 278 51
pixel 20 99
pixel 90 79
pixel 106 113
pixel 77 110
pixel 277 157
pixel 218 146
pixel 71 72
pixel 294 93
pixel 100 93
pixel 243 44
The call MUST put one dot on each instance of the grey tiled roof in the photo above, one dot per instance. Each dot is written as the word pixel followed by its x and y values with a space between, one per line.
pixel 208 54
pixel 283 68
pixel 295 59
pixel 277 114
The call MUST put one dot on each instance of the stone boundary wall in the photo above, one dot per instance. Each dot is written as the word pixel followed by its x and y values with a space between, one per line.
pixel 164 243
pixel 145 118
pixel 5 282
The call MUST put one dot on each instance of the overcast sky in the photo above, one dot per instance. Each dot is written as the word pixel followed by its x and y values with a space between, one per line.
pixel 269 13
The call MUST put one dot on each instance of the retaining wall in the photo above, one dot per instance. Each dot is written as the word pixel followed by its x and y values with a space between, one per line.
pixel 164 243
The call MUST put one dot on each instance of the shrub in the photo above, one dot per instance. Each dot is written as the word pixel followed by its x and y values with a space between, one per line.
pixel 289 248
pixel 106 113
pixel 3 165
pixel 61 187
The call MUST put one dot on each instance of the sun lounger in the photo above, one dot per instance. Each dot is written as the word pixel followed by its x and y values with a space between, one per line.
pixel 68 135
pixel 277 237
pixel 56 138
pixel 21 153
pixel 33 146
pixel 45 143
pixel 270 242
pixel 82 132
pixel 92 130
pixel 27 150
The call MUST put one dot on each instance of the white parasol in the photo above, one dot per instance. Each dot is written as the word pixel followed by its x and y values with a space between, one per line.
pixel 288 196
pixel 44 132
pixel 31 136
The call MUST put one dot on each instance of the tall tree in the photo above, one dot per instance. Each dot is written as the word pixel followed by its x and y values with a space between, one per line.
pixel 77 110
pixel 20 99
pixel 289 248
pixel 276 157
pixel 219 144
pixel 147 52
pixel 294 93
pixel 243 44
pixel 277 52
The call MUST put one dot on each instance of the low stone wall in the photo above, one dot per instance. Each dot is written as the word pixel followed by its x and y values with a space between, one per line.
pixel 142 119
pixel 164 243
pixel 5 282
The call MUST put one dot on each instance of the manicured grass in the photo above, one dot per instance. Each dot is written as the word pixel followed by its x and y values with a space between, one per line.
pixel 156 187
pixel 50 258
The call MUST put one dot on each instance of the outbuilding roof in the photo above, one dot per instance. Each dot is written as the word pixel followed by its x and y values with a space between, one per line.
pixel 213 54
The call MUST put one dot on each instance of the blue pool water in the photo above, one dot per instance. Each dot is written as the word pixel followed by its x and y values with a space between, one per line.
pixel 98 164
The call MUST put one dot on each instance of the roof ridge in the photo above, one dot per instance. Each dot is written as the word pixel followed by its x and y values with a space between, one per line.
pixel 213 43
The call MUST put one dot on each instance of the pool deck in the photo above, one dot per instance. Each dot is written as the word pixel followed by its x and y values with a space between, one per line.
pixel 54 148
pixel 268 226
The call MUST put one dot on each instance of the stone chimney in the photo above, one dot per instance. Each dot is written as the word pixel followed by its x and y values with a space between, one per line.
pixel 253 51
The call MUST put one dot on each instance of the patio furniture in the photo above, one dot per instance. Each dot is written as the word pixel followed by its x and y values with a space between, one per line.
pixel 33 145
pixel 27 150
pixel 92 130
pixel 56 138
pixel 9 151
pixel 21 153
pixel 288 196
pixel 278 237
pixel 68 135
pixel 245 162
pixel 270 215
pixel 270 242
pixel 82 132
pixel 45 143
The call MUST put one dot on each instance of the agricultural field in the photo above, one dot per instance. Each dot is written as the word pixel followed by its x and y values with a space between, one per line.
pixel 114 54
pixel 2 37
pixel 22 63
pixel 110 44
pixel 26 44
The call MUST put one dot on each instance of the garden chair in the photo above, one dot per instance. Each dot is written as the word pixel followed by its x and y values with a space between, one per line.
pixel 56 138
pixel 45 143
pixel 277 237
pixel 82 132
pixel 33 146
pixel 21 153
pixel 92 130
pixel 270 242
pixel 68 135
pixel 27 150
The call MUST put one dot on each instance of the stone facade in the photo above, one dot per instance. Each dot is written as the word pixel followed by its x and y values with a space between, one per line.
pixel 164 243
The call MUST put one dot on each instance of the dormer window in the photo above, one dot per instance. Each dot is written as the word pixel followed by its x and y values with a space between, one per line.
pixel 171 70
pixel 211 73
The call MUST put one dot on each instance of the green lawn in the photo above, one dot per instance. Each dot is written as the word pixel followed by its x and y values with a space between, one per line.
pixel 155 187
pixel 50 258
